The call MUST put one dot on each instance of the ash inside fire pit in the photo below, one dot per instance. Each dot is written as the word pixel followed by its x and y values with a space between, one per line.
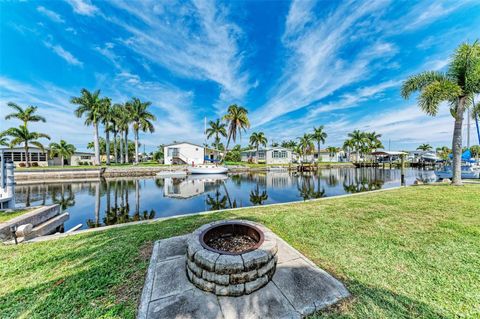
pixel 231 238
pixel 232 244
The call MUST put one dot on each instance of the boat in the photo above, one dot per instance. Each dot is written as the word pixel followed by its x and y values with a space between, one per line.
pixel 468 172
pixel 176 173
pixel 207 169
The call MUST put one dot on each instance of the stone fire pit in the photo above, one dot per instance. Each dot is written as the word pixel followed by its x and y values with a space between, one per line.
pixel 231 258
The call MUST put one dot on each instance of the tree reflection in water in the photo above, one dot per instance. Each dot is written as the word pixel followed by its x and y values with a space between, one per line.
pixel 307 188
pixel 63 196
pixel 362 185
pixel 217 202
pixel 119 213
pixel 257 198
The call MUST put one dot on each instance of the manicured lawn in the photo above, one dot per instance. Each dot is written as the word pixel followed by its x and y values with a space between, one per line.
pixel 4 216
pixel 411 252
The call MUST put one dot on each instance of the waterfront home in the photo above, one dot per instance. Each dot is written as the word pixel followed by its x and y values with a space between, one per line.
pixel 181 153
pixel 271 155
pixel 37 157
pixel 323 156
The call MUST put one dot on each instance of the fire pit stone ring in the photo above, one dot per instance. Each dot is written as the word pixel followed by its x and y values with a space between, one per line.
pixel 232 271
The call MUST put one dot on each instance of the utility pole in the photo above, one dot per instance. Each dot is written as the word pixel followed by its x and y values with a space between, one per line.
pixel 468 128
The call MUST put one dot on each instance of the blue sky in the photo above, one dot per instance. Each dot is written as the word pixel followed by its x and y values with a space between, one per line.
pixel 293 65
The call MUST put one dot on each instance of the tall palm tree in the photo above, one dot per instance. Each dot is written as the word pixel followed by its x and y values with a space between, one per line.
pixel 424 147
pixel 62 149
pixel 123 124
pixel 22 135
pixel 257 139
pixel 237 120
pixel 141 118
pixel 358 138
pixel 348 146
pixel 457 86
pixel 218 129
pixel 305 143
pixel 90 105
pixel 25 115
pixel 319 135
pixel 107 117
pixel 115 116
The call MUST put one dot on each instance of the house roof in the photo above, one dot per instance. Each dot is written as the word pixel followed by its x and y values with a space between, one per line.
pixel 278 148
pixel 34 148
pixel 387 153
pixel 177 143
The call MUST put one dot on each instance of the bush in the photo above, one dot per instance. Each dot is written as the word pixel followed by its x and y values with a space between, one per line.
pixel 22 165
pixel 34 164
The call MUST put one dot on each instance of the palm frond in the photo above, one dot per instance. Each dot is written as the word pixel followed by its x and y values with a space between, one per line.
pixel 417 82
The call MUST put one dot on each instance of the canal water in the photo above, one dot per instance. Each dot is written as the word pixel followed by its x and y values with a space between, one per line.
pixel 123 200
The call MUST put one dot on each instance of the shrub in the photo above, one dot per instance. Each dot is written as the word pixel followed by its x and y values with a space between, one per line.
pixel 22 165
pixel 35 164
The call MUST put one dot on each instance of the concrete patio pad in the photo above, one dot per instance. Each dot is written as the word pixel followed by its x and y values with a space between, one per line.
pixel 298 288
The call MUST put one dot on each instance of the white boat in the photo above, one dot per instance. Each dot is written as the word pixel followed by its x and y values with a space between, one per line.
pixel 207 169
pixel 468 172
pixel 177 173
pixel 429 156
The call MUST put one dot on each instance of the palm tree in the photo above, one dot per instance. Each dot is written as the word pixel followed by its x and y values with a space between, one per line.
pixel 289 144
pixel 22 135
pixel 107 117
pixel 141 119
pixel 319 135
pixel 457 87
pixel 237 120
pixel 218 129
pixel 25 115
pixel 90 105
pixel 424 147
pixel 305 144
pixel 357 138
pixel 3 140
pixel 115 116
pixel 62 149
pixel 123 123
pixel 257 139
pixel 348 145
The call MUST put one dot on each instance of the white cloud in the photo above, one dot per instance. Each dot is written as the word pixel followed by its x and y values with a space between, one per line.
pixel 421 15
pixel 191 39
pixel 83 7
pixel 318 65
pixel 350 100
pixel 50 14
pixel 53 103
pixel 64 54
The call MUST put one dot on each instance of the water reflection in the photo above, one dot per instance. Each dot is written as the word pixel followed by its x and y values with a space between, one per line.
pixel 122 200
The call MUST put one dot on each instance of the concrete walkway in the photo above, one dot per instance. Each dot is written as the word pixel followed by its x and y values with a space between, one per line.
pixel 298 288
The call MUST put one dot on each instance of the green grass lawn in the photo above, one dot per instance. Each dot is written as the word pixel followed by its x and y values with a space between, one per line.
pixel 411 252
pixel 6 216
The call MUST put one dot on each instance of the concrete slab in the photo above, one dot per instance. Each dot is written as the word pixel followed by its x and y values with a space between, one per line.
pixel 286 252
pixel 297 289
pixel 191 304
pixel 170 278
pixel 267 302
pixel 308 288
pixel 173 247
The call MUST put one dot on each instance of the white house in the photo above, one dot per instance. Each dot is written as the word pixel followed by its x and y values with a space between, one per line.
pixel 37 157
pixel 189 153
pixel 323 156
pixel 271 155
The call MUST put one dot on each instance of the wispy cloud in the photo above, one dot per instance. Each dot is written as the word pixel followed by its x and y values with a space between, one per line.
pixel 83 7
pixel 55 17
pixel 54 105
pixel 421 15
pixel 350 100
pixel 64 54
pixel 191 39
pixel 318 65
